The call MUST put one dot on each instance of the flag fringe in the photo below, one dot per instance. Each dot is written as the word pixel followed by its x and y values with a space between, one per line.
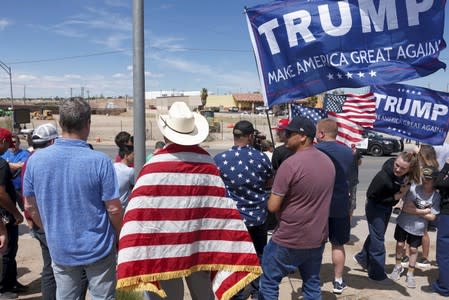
pixel 142 282
pixel 239 286
pixel 137 284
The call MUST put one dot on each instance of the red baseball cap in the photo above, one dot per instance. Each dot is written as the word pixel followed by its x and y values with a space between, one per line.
pixel 282 123
pixel 6 136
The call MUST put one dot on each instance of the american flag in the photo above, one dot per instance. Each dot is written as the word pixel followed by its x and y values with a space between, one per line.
pixel 360 109
pixel 179 221
pixel 333 102
pixel 357 112
pixel 311 113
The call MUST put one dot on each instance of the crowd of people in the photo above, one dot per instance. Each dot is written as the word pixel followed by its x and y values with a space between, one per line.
pixel 206 219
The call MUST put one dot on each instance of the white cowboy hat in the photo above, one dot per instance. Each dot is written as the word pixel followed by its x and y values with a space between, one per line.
pixel 182 126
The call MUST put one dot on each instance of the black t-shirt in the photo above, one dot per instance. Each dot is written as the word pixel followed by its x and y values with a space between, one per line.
pixel 280 154
pixel 353 172
pixel 5 180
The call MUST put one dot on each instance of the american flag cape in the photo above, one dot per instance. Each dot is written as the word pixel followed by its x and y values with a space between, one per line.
pixel 179 221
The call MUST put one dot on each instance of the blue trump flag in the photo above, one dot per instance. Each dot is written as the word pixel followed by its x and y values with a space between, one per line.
pixel 412 112
pixel 303 48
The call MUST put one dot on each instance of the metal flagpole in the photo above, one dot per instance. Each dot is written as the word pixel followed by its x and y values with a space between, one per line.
pixel 138 85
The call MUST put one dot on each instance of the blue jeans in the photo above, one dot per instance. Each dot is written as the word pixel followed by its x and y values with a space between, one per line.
pixel 279 261
pixel 373 252
pixel 9 272
pixel 100 275
pixel 48 283
pixel 441 286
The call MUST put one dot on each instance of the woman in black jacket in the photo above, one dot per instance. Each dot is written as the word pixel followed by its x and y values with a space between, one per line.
pixel 385 190
pixel 441 285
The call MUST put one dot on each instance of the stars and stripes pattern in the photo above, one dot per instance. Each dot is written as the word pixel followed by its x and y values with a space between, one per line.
pixel 333 102
pixel 179 221
pixel 360 109
pixel 357 112
pixel 245 172
pixel 349 132
pixel 311 113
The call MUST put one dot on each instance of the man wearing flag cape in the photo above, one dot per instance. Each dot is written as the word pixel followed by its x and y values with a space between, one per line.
pixel 179 223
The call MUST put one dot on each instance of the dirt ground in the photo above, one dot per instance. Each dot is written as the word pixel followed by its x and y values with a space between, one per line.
pixel 103 130
pixel 104 127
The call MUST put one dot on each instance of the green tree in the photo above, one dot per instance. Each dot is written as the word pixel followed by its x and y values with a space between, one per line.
pixel 311 101
pixel 203 97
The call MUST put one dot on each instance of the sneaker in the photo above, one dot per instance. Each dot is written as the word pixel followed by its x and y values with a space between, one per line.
pixel 396 211
pixel 339 287
pixel 427 289
pixel 19 288
pixel 404 261
pixel 360 263
pixel 396 274
pixel 386 281
pixel 423 262
pixel 8 295
pixel 410 281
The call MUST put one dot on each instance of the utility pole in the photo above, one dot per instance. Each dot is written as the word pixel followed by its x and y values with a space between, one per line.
pixel 7 69
pixel 24 93
pixel 82 92
pixel 71 93
pixel 88 97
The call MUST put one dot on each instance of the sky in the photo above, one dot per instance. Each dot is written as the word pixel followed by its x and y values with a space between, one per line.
pixel 59 48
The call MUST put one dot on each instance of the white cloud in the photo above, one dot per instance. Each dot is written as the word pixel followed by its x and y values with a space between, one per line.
pixel 170 44
pixel 116 3
pixel 118 75
pixel 24 77
pixel 4 23
pixel 114 41
pixel 188 66
pixel 153 75
pixel 110 29
pixel 72 76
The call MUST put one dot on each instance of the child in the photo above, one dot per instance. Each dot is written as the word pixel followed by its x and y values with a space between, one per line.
pixel 421 205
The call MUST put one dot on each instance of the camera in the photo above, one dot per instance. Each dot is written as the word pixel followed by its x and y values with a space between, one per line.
pixel 258 138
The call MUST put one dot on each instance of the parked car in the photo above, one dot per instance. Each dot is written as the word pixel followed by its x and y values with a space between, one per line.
pixel 234 109
pixel 378 145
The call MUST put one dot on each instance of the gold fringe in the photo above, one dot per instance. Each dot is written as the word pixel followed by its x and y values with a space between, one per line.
pixel 132 281
pixel 239 285
pixel 146 282
pixel 141 286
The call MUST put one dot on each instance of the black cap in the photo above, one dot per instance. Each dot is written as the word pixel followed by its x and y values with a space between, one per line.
pixel 302 125
pixel 243 127
pixel 429 172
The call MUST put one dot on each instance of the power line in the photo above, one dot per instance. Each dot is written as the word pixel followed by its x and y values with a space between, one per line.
pixel 122 51
pixel 67 57
pixel 43 60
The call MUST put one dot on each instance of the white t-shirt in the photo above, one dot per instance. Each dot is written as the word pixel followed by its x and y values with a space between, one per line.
pixel 414 224
pixel 125 176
